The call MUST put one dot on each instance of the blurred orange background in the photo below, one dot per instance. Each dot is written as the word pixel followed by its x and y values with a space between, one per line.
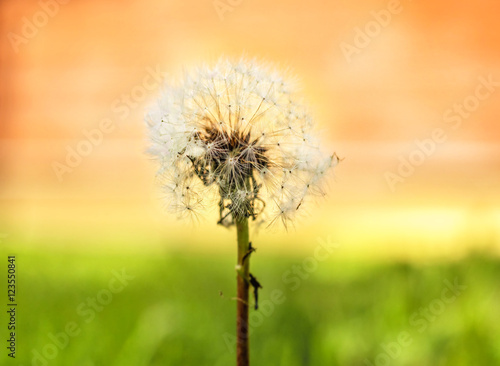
pixel 379 75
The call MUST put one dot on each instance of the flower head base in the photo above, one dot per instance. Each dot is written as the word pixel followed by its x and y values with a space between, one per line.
pixel 235 133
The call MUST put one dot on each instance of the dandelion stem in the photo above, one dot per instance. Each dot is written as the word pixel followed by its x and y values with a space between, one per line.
pixel 242 344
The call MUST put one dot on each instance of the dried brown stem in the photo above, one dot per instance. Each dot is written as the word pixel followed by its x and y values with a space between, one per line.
pixel 242 341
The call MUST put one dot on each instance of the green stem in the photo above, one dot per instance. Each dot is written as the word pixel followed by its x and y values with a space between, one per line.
pixel 242 343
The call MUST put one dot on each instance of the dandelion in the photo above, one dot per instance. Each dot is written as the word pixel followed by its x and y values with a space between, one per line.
pixel 237 136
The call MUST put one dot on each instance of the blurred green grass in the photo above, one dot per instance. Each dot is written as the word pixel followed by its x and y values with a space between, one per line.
pixel 172 311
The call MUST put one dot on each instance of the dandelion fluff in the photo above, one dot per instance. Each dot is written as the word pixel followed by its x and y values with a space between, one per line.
pixel 236 133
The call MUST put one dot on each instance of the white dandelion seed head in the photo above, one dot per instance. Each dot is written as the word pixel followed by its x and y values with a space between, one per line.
pixel 236 133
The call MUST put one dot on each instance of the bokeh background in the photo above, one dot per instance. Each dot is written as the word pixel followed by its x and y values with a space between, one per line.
pixel 379 76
